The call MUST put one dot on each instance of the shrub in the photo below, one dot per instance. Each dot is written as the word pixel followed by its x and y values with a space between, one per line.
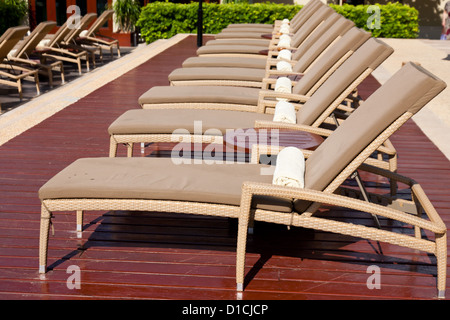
pixel 12 13
pixel 162 20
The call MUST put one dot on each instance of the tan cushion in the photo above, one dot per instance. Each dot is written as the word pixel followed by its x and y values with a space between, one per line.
pixel 237 35
pixel 222 49
pixel 190 94
pixel 408 90
pixel 167 120
pixel 251 42
pixel 312 47
pixel 241 62
pixel 217 73
pixel 158 179
pixel 369 55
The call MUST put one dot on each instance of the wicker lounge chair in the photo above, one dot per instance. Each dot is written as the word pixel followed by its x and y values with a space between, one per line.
pixel 298 37
pixel 58 49
pixel 327 54
pixel 296 19
pixel 157 184
pixel 317 42
pixel 147 126
pixel 367 56
pixel 11 75
pixel 93 37
pixel 255 33
pixel 24 53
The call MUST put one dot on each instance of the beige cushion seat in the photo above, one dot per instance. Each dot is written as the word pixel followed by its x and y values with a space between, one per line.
pixel 164 121
pixel 252 42
pixel 223 49
pixel 181 94
pixel 226 73
pixel 242 62
pixel 158 179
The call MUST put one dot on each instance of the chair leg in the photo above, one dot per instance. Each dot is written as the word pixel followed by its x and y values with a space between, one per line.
pixel 43 239
pixel 112 147
pixel 130 150
pixel 80 220
pixel 441 256
pixel 19 88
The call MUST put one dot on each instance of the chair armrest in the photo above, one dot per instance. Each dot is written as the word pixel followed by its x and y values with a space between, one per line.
pixel 250 189
pixel 291 126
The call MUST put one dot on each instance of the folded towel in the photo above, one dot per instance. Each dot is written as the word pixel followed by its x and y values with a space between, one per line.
pixel 290 168
pixel 284 29
pixel 11 54
pixel 283 84
pixel 285 36
pixel 42 44
pixel 285 21
pixel 285 112
pixel 83 33
pixel 284 66
pixel 285 55
pixel 283 44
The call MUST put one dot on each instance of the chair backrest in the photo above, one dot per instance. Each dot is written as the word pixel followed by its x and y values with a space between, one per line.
pixel 321 39
pixel 375 120
pixel 85 21
pixel 14 35
pixel 104 17
pixel 304 14
pixel 59 35
pixel 310 25
pixel 5 34
pixel 342 81
pixel 26 48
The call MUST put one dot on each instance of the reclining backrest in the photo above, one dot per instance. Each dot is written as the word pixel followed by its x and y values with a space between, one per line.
pixel 304 14
pixel 403 95
pixel 310 25
pixel 327 33
pixel 11 39
pixel 26 48
pixel 59 35
pixel 84 23
pixel 95 27
pixel 343 81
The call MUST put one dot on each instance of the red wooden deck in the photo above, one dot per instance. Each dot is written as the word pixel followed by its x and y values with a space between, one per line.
pixel 171 256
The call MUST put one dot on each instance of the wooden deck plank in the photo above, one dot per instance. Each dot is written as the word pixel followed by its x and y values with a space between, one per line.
pixel 173 256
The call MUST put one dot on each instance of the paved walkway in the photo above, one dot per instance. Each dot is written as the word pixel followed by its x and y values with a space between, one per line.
pixel 434 55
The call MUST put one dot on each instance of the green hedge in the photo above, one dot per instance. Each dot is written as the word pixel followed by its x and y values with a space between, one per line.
pixel 12 13
pixel 162 20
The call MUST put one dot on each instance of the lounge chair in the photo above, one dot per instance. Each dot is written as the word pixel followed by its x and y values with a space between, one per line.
pixel 56 49
pixel 250 33
pixel 24 53
pixel 317 42
pixel 92 36
pixel 13 75
pixel 255 50
pixel 158 184
pixel 70 39
pixel 329 51
pixel 251 99
pixel 163 124
pixel 263 26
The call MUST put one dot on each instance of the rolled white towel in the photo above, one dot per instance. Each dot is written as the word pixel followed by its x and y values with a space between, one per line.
pixel 285 54
pixel 284 66
pixel 285 112
pixel 290 168
pixel 285 36
pixel 83 33
pixel 284 43
pixel 42 44
pixel 284 85
pixel 285 29
pixel 285 21
pixel 11 54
